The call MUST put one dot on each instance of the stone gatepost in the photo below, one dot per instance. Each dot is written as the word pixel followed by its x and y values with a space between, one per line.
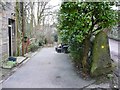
pixel 101 61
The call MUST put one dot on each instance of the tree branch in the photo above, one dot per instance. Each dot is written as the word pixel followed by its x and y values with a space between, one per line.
pixel 93 24
pixel 97 29
pixel 43 5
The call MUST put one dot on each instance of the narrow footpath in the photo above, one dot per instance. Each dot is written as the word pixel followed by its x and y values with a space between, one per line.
pixel 47 69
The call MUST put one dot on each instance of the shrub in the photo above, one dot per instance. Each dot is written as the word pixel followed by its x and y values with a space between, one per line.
pixel 78 21
pixel 76 51
pixel 33 47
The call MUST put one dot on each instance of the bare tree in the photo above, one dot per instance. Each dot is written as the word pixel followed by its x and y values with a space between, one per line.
pixel 40 11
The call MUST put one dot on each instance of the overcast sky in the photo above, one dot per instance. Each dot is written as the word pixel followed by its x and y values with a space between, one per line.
pixel 55 2
pixel 56 5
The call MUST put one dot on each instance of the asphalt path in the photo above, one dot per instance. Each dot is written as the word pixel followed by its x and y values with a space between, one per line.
pixel 47 69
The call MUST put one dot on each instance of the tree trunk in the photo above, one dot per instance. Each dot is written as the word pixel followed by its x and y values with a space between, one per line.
pixel 85 54
pixel 23 27
pixel 31 21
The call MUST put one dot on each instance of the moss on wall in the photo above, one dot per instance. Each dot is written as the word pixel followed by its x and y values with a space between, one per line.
pixel 101 62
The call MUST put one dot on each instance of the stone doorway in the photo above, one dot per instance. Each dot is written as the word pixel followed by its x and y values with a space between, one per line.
pixel 11 34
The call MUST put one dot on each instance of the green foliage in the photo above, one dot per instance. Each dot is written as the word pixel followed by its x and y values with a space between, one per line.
pixel 56 38
pixel 45 41
pixel 40 43
pixel 80 20
pixel 33 47
pixel 76 51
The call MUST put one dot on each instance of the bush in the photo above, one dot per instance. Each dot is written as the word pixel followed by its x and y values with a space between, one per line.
pixel 76 51
pixel 33 47
pixel 78 21
pixel 40 43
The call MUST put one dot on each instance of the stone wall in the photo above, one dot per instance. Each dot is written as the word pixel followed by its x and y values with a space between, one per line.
pixel 5 14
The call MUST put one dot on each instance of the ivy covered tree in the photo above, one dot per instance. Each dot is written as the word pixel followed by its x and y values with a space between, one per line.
pixel 79 21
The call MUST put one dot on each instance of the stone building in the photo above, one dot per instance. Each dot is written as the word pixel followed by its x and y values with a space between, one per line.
pixel 7 30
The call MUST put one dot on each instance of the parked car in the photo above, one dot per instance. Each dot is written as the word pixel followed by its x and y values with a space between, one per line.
pixel 62 48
